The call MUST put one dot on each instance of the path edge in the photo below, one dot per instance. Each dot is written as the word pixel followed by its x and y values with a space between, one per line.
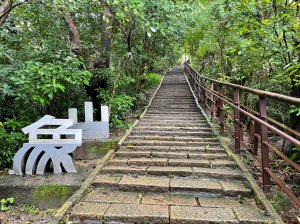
pixel 79 194
pixel 259 195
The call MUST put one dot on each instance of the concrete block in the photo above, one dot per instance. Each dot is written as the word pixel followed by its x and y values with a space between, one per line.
pixel 104 114
pixel 88 112
pixel 73 115
pixel 93 130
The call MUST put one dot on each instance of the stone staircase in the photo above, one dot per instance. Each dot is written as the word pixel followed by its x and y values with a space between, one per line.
pixel 170 169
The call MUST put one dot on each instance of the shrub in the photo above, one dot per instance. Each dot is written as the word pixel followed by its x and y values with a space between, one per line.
pixel 11 139
pixel 151 80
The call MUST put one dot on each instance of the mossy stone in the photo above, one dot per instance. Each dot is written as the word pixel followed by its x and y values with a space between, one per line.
pixel 95 149
pixel 51 196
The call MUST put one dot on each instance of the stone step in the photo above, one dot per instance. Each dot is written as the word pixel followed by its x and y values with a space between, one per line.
pixel 172 162
pixel 183 125
pixel 170 128
pixel 174 111
pixel 138 207
pixel 174 117
pixel 223 173
pixel 150 112
pixel 172 133
pixel 187 122
pixel 171 155
pixel 182 104
pixel 183 149
pixel 173 108
pixel 147 183
pixel 172 138
pixel 171 142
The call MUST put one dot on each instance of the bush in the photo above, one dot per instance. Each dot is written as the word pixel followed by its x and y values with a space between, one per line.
pixel 11 139
pixel 151 80
pixel 121 106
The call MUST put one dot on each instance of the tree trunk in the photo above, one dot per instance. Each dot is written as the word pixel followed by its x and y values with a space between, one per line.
pixel 97 83
pixel 5 8
pixel 74 34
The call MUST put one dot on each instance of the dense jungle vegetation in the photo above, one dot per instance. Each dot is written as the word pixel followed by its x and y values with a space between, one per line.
pixel 56 54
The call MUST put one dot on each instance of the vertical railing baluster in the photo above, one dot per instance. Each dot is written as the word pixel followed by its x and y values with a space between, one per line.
pixel 236 118
pixel 264 147
pixel 256 138
pixel 205 98
pixel 199 91
pixel 202 91
pixel 212 101
pixel 221 109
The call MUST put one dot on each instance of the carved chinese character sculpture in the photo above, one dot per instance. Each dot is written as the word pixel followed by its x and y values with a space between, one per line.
pixel 50 140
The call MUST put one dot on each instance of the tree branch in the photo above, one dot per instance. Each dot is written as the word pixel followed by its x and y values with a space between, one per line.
pixel 6 8
pixel 74 34
pixel 124 65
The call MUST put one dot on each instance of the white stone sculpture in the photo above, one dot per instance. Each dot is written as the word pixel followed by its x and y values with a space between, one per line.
pixel 52 139
pixel 49 139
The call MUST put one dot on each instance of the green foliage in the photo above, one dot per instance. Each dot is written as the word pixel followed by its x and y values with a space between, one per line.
pixel 295 154
pixel 6 203
pixel 241 199
pixel 152 79
pixel 121 106
pixel 29 209
pixel 278 201
pixel 11 138
pixel 38 82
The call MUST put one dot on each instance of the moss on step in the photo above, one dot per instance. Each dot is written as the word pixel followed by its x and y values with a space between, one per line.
pixel 52 196
pixel 95 149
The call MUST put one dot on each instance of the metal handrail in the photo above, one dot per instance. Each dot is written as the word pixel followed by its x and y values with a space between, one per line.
pixel 262 93
pixel 208 94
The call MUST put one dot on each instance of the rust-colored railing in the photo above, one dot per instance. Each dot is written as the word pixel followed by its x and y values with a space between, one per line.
pixel 210 93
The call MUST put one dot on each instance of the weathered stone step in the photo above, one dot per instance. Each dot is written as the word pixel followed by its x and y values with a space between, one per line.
pixel 174 111
pixel 174 117
pixel 164 103
pixel 183 149
pixel 187 121
pixel 172 138
pixel 172 162
pixel 171 142
pixel 170 128
pixel 175 124
pixel 136 207
pixel 183 124
pixel 147 183
pixel 150 112
pixel 171 155
pixel 172 133
pixel 223 173
pixel 174 108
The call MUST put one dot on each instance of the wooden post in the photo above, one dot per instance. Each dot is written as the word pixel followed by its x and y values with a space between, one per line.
pixel 212 101
pixel 236 117
pixel 221 109
pixel 264 147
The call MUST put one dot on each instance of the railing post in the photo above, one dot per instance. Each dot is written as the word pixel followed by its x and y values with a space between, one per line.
pixel 205 98
pixel 256 139
pixel 194 81
pixel 221 109
pixel 212 101
pixel 237 126
pixel 202 92
pixel 264 147
pixel 199 91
